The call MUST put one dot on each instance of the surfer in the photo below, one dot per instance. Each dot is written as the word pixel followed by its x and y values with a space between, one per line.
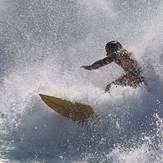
pixel 116 53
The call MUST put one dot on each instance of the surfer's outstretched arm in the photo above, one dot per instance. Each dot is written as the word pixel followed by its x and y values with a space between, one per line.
pixel 99 63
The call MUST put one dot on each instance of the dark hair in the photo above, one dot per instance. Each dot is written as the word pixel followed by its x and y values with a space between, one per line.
pixel 114 45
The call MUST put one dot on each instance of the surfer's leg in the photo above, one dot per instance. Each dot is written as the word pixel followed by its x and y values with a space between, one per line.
pixel 123 81
pixel 127 80
pixel 130 80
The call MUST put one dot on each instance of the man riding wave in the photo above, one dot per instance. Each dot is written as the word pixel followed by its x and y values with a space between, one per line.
pixel 116 53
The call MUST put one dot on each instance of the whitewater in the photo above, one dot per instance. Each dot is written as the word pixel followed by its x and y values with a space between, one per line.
pixel 43 44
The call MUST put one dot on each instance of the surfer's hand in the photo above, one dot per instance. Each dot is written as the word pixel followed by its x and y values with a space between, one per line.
pixel 86 67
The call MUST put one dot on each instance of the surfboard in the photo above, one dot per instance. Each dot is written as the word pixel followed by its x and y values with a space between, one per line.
pixel 75 111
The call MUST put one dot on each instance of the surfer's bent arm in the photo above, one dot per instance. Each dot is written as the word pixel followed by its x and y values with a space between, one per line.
pixel 99 63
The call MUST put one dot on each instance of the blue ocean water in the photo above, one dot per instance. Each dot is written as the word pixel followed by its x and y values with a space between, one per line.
pixel 43 43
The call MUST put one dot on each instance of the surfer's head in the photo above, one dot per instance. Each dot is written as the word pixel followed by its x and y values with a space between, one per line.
pixel 113 46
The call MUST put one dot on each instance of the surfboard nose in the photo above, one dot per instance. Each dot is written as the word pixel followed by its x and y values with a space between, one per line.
pixel 40 95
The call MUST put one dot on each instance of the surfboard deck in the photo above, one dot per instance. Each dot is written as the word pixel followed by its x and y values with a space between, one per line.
pixel 75 111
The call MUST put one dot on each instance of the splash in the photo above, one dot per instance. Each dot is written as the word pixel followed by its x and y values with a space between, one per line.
pixel 43 44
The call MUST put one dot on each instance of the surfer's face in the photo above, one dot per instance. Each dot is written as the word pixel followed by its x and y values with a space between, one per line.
pixel 108 50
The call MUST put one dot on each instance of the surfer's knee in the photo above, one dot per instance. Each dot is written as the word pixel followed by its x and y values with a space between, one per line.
pixel 107 89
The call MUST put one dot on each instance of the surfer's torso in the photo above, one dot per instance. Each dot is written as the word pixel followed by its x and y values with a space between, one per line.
pixel 123 59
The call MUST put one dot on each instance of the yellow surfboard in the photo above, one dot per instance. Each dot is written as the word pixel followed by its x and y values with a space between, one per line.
pixel 76 111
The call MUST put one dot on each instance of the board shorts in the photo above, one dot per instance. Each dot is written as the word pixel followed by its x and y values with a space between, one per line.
pixel 138 75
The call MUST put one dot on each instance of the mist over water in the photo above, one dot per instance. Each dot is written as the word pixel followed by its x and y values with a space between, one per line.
pixel 43 44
